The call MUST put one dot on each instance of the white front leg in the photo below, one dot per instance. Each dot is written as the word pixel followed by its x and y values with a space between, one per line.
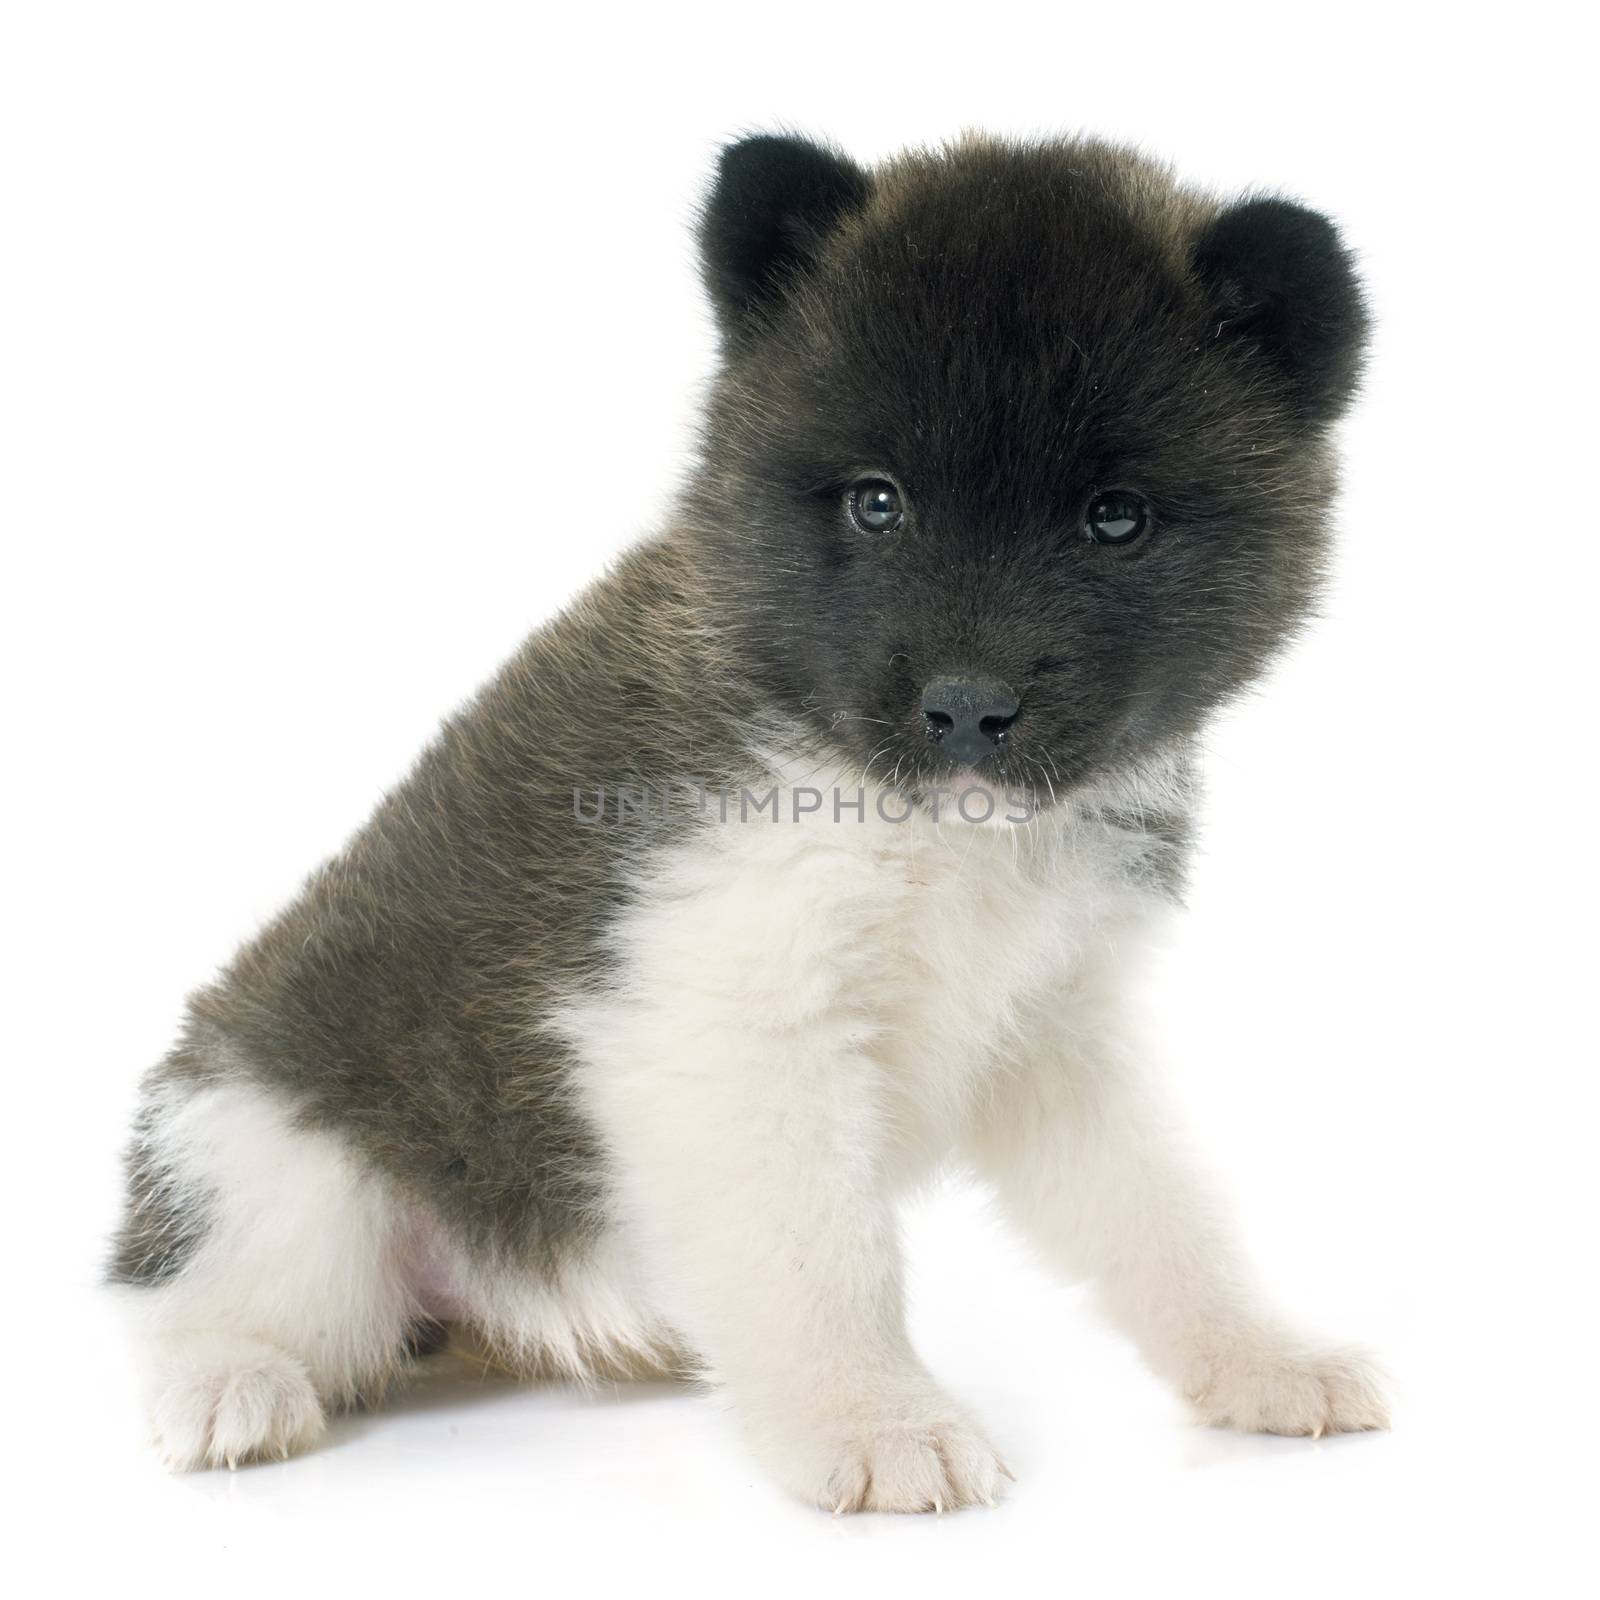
pixel 732 1075
pixel 1095 1171
pixel 749 1170
pixel 748 1152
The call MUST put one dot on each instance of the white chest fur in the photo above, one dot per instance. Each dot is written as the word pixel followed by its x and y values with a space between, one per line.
pixel 915 948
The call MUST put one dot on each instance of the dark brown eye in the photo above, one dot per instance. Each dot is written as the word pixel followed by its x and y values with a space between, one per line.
pixel 1117 518
pixel 875 504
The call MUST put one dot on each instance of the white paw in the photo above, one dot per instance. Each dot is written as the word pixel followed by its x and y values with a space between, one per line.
pixel 917 1453
pixel 219 1399
pixel 938 1465
pixel 1290 1388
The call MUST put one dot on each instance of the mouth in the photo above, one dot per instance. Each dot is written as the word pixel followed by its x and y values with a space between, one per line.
pixel 1002 785
pixel 982 802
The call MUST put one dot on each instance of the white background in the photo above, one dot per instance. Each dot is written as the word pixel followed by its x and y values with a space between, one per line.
pixel 339 344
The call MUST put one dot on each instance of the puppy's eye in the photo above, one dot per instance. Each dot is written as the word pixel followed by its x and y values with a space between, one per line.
pixel 875 504
pixel 1117 518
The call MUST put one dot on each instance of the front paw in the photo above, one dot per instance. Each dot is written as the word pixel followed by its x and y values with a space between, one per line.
pixel 1290 1387
pixel 918 1452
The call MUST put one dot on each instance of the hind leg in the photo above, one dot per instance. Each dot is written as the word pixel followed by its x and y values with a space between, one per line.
pixel 265 1274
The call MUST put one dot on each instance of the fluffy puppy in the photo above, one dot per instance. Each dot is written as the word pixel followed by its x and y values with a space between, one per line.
pixel 803 855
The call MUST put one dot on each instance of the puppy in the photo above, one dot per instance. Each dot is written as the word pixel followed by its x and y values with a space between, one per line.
pixel 806 854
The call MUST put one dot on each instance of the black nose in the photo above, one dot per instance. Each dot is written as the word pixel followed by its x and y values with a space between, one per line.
pixel 968 717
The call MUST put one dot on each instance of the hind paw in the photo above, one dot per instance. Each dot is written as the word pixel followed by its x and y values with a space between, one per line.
pixel 220 1400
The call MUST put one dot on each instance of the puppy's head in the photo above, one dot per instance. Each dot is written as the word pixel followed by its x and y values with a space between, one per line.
pixel 1015 462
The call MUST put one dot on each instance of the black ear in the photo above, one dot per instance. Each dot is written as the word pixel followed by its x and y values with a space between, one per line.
pixel 774 201
pixel 1280 276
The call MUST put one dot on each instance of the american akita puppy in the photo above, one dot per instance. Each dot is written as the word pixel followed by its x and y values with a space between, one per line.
pixel 805 854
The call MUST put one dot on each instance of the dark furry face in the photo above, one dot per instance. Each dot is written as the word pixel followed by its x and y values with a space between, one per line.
pixel 1006 335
